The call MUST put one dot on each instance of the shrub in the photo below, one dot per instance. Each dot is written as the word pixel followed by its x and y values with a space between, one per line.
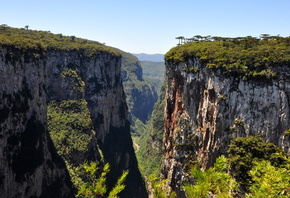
pixel 213 181
pixel 244 151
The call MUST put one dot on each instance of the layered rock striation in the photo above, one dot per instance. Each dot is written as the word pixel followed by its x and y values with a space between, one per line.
pixel 205 110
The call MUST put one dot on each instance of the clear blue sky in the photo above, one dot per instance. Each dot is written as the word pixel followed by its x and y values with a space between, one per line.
pixel 148 26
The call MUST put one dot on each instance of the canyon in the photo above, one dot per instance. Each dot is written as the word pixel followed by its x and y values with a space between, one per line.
pixel 202 107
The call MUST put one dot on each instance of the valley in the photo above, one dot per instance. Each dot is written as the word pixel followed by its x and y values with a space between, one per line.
pixel 210 118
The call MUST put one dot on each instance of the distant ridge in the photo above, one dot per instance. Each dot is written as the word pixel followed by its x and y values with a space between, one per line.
pixel 150 57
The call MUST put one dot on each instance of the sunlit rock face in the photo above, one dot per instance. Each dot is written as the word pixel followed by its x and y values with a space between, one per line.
pixel 206 110
pixel 30 166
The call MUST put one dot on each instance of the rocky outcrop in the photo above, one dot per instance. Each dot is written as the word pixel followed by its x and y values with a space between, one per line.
pixel 98 81
pixel 206 110
pixel 30 166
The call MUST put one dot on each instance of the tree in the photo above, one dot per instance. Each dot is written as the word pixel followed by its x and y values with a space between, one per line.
pixel 73 38
pixel 4 27
pixel 26 27
pixel 265 36
pixel 198 37
pixel 190 40
pixel 180 39
pixel 214 181
pixel 94 186
pixel 269 181
pixel 245 151
pixel 158 187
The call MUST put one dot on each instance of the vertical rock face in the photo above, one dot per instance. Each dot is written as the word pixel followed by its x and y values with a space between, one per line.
pixel 103 86
pixel 30 166
pixel 205 110
pixel 104 93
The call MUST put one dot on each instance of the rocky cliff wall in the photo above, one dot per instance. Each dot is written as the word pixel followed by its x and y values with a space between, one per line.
pixel 30 166
pixel 206 110
pixel 30 79
pixel 97 79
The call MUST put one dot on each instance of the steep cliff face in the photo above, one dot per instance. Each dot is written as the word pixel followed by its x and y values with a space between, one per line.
pixel 30 166
pixel 102 86
pixel 98 81
pixel 205 110
pixel 38 68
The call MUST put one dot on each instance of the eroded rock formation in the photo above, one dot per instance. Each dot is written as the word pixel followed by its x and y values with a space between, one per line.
pixel 205 110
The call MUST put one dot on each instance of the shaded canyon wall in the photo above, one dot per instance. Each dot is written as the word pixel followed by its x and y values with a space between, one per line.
pixel 30 165
pixel 103 91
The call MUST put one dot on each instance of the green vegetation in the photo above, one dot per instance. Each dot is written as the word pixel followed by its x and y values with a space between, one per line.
pixel 287 132
pixel 243 57
pixel 71 130
pixel 90 185
pixel 151 141
pixel 24 39
pixel 76 81
pixel 140 93
pixel 253 168
pixel 154 72
pixel 244 152
pixel 269 181
pixel 70 127
pixel 158 187
pixel 214 181
pixel 191 70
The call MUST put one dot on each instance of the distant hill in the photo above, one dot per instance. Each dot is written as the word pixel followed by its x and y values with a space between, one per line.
pixel 150 57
